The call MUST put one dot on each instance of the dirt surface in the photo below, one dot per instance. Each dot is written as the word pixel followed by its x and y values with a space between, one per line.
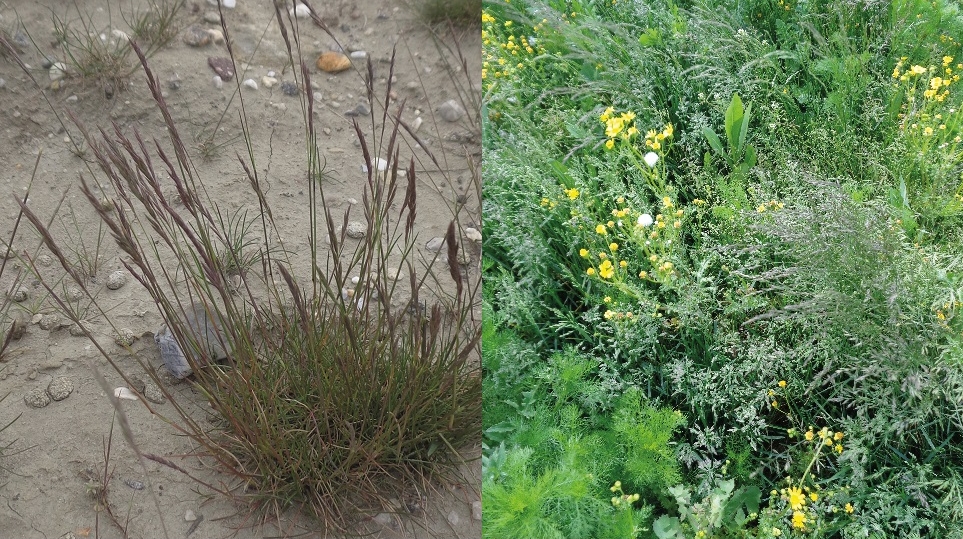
pixel 57 451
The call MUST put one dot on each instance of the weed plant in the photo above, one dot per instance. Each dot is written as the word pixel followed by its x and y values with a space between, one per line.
pixel 340 390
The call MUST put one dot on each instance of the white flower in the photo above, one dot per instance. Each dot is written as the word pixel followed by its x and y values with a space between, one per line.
pixel 651 158
pixel 645 219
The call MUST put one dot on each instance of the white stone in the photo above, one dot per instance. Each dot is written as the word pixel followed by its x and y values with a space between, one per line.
pixel 473 234
pixel 229 4
pixel 218 82
pixel 190 516
pixel 119 34
pixel 250 83
pixel 216 36
pixel 268 81
pixel 476 510
pixel 359 55
pixel 416 124
pixel 124 393
pixel 301 11
pixel 58 71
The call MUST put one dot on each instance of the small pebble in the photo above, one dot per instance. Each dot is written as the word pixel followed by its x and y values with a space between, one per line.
pixel 18 328
pixel 124 393
pixel 451 111
pixel 135 484
pixel 36 398
pixel 268 81
pixel 229 4
pixel 153 393
pixel 250 83
pixel 77 330
pixel 218 82
pixel 137 382
pixel 473 234
pixel 454 518
pixel 71 99
pixel 36 318
pixel 50 322
pixel 216 36
pixel 318 96
pixel 19 295
pixel 380 164
pixel 58 70
pixel 416 124
pixel 434 244
pixel 301 11
pixel 125 337
pixel 356 229
pixel 476 510
pixel 195 36
pixel 360 55
pixel 190 516
pixel 360 110
pixel 289 88
pixel 333 62
pixel 3 82
pixel 222 66
pixel 116 280
pixel 60 388
pixel 74 294
pixel 212 17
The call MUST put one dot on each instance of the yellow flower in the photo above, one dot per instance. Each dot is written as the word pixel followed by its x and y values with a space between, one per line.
pixel 609 144
pixel 775 404
pixel 488 18
pixel 607 299
pixel 797 500
pixel 572 193
pixel 917 70
pixel 607 114
pixel 838 436
pixel 798 520
pixel 849 508
pixel 782 383
pixel 947 60
pixel 623 263
pixel 613 247
pixel 583 253
pixel 838 448
pixel 600 229
pixel 590 271
pixel 606 271
pixel 614 126
pixel 809 435
pixel 628 116
pixel 813 496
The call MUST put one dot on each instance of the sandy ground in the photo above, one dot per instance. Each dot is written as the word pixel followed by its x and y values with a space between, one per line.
pixel 58 450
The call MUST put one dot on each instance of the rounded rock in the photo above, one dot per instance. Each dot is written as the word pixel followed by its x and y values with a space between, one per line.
pixel 451 111
pixel 356 230
pixel 473 234
pixel 333 62
pixel 268 81
pixel 36 398
pixel 116 280
pixel 74 294
pixel 19 294
pixel 289 88
pixel 125 337
pixel 58 70
pixel 60 388
pixel 250 83
pixel 45 260
pixel 195 36
pixel 49 322
pixel 476 510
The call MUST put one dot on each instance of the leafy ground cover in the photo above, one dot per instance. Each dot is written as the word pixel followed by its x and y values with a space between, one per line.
pixel 722 269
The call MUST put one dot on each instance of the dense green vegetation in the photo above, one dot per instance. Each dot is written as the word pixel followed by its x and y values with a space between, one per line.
pixel 723 262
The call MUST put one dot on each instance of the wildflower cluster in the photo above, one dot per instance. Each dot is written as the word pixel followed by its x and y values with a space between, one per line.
pixel 772 205
pixel 926 116
pixel 618 126
pixel 506 48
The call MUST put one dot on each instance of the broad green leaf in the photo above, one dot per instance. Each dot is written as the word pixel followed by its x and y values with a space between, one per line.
pixel 744 128
pixel 734 116
pixel 750 159
pixel 714 142
pixel 666 527
pixel 650 37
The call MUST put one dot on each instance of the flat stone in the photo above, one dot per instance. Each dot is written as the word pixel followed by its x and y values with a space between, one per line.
pixel 476 510
pixel 212 17
pixel 124 393
pixel 360 110
pixel 453 517
pixel 473 234
pixel 333 62
pixel 434 244
pixel 195 36
pixel 36 398
pixel 60 388
pixel 51 364
pixel 222 66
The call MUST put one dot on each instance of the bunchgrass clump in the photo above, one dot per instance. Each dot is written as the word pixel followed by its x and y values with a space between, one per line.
pixel 343 384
